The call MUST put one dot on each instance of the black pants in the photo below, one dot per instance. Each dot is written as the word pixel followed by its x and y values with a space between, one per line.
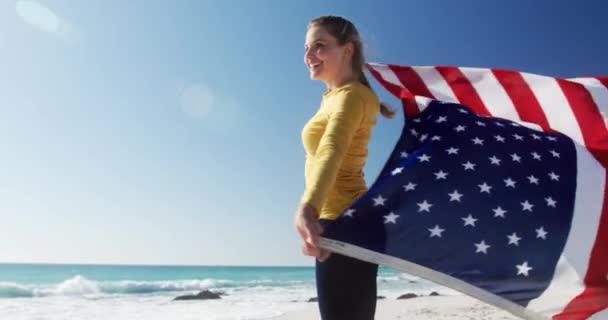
pixel 346 288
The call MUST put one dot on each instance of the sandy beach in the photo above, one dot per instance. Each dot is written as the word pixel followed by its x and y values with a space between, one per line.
pixel 421 308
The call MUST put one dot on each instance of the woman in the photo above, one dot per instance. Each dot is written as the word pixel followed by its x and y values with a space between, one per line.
pixel 335 140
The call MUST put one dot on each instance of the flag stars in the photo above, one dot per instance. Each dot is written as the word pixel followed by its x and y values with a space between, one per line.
pixel 469 220
pixel 481 124
pixel 462 110
pixel 527 206
pixel 397 171
pixel 436 231
pixel 494 160
pixel 423 137
pixel 460 128
pixel 541 233
pixel 441 119
pixel 550 138
pixel 424 158
pixel 482 247
pixel 409 187
pixel 349 213
pixel 452 150
pixel 499 124
pixel 441 175
pixel 523 269
pixel 554 153
pixel 535 155
pixel 499 212
pixel 455 196
pixel 499 138
pixel 484 188
pixel 478 141
pixel 535 136
pixel 554 176
pixel 404 154
pixel 391 218
pixel 518 137
pixel 516 157
pixel 424 206
pixel 469 166
pixel 379 200
pixel 436 138
pixel 510 182
pixel 513 239
pixel 533 179
pixel 414 132
pixel 550 202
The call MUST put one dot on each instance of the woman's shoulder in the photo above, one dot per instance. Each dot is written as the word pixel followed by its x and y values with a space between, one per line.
pixel 358 89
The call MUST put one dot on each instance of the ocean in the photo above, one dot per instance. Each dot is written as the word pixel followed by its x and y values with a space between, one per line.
pixel 70 291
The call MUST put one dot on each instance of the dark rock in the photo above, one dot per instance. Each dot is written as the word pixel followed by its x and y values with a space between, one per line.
pixel 407 296
pixel 203 295
pixel 434 293
pixel 313 299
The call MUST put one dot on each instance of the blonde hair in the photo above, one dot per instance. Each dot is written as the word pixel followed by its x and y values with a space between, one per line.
pixel 344 31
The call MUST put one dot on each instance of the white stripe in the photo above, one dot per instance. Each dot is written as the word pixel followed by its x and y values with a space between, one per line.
pixel 602 315
pixel 599 93
pixel 436 84
pixel 567 281
pixel 386 73
pixel 492 93
pixel 555 105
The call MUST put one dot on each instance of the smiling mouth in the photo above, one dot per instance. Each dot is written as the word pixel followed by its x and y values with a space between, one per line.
pixel 315 66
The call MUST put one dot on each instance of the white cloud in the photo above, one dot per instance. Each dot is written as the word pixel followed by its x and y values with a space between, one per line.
pixel 44 19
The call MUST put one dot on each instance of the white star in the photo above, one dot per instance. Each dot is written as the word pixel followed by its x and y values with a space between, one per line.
pixel 349 213
pixel 523 268
pixel 469 166
pixel 441 119
pixel 499 212
pixel 510 182
pixel 551 138
pixel 414 132
pixel 391 217
pixel 494 160
pixel 481 124
pixel 423 137
pixel 499 138
pixel 460 128
pixel 515 124
pixel 527 206
pixel 514 239
pixel 541 233
pixel 485 187
pixel 452 150
pixel 555 153
pixel 478 141
pixel 455 196
pixel 533 179
pixel 518 137
pixel 554 176
pixel 435 138
pixel 410 186
pixel 469 220
pixel 379 201
pixel 515 157
pixel 436 231
pixel 462 111
pixel 535 136
pixel 417 120
pixel 482 247
pixel 535 155
pixel 550 202
pixel 424 158
pixel 424 206
pixel 404 154
pixel 499 124
pixel 397 171
pixel 440 175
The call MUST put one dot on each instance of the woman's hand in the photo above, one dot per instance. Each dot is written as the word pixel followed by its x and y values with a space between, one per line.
pixel 310 230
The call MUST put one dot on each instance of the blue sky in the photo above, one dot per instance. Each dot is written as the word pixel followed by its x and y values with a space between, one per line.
pixel 168 132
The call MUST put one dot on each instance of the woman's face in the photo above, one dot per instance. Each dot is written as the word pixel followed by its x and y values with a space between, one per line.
pixel 323 56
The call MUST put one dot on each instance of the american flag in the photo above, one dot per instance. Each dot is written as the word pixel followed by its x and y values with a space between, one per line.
pixel 496 188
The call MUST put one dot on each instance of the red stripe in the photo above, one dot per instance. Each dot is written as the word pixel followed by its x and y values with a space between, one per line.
pixel 407 98
pixel 603 80
pixel 412 81
pixel 523 98
pixel 463 89
pixel 595 296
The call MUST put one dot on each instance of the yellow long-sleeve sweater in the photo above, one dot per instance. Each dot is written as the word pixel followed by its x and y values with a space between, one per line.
pixel 335 140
